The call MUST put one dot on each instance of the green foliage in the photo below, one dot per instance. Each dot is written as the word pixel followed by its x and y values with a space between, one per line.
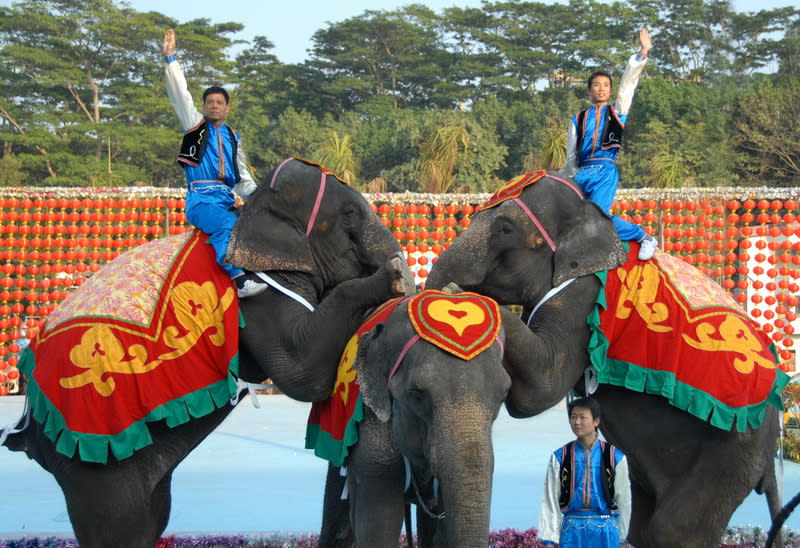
pixel 461 99
pixel 336 154
pixel 791 422
pixel 438 154
pixel 767 130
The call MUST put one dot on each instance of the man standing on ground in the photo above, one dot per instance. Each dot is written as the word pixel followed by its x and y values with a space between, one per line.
pixel 587 494
pixel 595 138
pixel 213 163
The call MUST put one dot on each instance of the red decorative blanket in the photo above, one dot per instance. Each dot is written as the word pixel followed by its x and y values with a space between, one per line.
pixel 513 188
pixel 663 327
pixel 152 335
pixel 463 324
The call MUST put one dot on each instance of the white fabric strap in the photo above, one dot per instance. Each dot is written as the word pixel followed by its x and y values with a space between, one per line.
pixel 547 296
pixel 590 380
pixel 251 388
pixel 343 474
pixel 9 429
pixel 288 292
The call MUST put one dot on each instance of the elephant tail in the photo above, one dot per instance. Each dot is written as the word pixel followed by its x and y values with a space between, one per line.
pixel 768 485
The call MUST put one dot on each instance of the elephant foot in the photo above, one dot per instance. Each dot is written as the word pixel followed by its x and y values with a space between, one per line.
pixel 452 289
pixel 402 278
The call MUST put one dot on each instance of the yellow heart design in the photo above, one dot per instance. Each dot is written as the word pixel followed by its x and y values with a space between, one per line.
pixel 458 315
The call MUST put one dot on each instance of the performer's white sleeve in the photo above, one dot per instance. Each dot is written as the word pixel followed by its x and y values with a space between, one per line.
pixel 246 185
pixel 622 496
pixel 550 513
pixel 179 96
pixel 571 165
pixel 628 83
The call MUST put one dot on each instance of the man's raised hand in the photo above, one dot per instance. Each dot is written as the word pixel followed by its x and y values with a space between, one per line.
pixel 168 47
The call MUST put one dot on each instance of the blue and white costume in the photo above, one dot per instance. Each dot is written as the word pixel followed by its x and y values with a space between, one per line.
pixel 213 181
pixel 588 520
pixel 592 165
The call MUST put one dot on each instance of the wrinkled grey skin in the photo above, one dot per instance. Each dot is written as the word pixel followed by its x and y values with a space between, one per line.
pixel 437 410
pixel 344 268
pixel 687 477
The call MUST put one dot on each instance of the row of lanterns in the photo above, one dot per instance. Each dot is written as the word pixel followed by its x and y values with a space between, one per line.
pixel 50 244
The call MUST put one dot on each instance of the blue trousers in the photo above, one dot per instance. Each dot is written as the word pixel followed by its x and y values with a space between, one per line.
pixel 589 532
pixel 208 207
pixel 599 182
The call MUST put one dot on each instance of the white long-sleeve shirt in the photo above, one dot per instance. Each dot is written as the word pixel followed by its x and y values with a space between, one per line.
pixel 627 87
pixel 189 117
pixel 550 516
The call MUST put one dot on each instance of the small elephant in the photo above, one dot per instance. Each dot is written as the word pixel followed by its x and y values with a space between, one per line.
pixel 538 243
pixel 321 240
pixel 426 431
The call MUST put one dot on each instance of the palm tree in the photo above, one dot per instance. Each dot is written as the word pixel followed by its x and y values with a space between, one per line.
pixel 667 170
pixel 336 154
pixel 438 158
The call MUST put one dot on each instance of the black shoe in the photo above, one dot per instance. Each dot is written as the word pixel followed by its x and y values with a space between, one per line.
pixel 248 285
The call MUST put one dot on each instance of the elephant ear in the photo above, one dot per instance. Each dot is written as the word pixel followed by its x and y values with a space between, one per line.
pixel 372 366
pixel 268 235
pixel 590 245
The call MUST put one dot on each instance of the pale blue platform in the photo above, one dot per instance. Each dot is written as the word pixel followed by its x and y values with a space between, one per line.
pixel 253 476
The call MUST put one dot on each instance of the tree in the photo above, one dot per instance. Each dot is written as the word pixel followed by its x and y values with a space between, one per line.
pixel 392 55
pixel 78 80
pixel 336 154
pixel 767 130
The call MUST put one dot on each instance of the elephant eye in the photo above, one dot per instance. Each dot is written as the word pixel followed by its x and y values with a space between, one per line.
pixel 349 211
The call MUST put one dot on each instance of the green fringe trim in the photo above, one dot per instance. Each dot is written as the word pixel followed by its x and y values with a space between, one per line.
pixel 326 446
pixel 94 447
pixel 663 383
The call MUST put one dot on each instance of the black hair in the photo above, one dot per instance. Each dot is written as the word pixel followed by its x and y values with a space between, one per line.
pixel 585 403
pixel 596 74
pixel 216 89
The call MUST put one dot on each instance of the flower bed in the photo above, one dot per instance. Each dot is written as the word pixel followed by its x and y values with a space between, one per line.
pixel 739 537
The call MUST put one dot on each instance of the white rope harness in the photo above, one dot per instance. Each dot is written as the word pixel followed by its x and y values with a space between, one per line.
pixel 251 388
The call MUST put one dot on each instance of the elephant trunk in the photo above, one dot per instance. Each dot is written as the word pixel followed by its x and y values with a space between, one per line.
pixel 463 262
pixel 463 462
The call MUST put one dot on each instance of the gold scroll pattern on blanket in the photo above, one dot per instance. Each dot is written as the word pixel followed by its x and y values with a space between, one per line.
pixel 639 292
pixel 198 308
pixel 345 374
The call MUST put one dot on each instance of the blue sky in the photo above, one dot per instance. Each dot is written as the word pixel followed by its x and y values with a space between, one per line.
pixel 290 25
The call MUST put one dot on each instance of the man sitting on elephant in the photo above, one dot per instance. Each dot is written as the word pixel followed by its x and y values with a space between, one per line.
pixel 587 495
pixel 213 163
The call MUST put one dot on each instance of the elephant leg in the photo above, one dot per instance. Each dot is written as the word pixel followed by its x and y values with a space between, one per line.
pixel 684 519
pixel 336 531
pixel 107 509
pixel 426 529
pixel 642 507
pixel 375 478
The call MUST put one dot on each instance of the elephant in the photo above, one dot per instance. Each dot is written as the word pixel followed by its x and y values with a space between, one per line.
pixel 335 254
pixel 687 476
pixel 433 410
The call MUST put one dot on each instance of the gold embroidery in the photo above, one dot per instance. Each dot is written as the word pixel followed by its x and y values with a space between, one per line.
pixel 345 374
pixel 638 291
pixel 733 336
pixel 198 309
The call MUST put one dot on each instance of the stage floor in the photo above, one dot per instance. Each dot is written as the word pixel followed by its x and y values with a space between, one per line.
pixel 252 475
